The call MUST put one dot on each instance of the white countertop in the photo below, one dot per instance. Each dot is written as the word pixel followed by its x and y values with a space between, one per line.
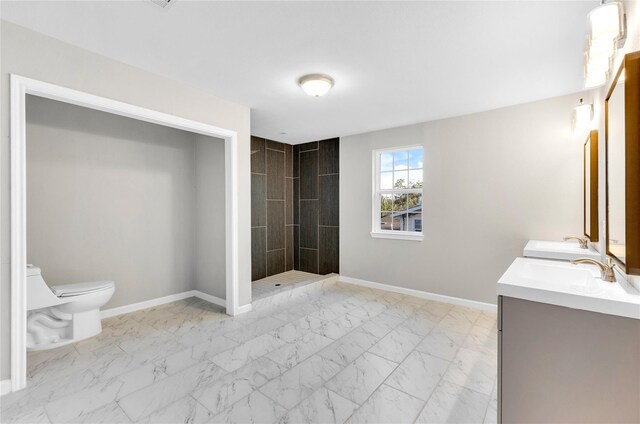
pixel 568 285
pixel 561 250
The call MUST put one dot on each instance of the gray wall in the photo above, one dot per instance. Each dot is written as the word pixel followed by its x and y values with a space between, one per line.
pixel 492 181
pixel 27 53
pixel 210 216
pixel 115 198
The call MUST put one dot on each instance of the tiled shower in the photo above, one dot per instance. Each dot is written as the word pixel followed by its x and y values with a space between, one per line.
pixel 294 207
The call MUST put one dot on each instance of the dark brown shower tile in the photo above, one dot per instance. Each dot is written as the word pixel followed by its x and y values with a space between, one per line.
pixel 309 260
pixel 313 145
pixel 275 175
pixel 289 243
pixel 288 201
pixel 258 200
pixel 329 254
pixel 275 145
pixel 296 200
pixel 275 224
pixel 329 154
pixel 288 160
pixel 329 203
pixel 257 155
pixel 309 175
pixel 296 161
pixel 309 224
pixel 275 262
pixel 258 253
pixel 296 247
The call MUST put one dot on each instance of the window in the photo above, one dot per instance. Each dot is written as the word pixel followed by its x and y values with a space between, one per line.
pixel 397 198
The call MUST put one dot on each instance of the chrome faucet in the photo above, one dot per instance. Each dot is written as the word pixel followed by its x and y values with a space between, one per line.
pixel 584 242
pixel 606 271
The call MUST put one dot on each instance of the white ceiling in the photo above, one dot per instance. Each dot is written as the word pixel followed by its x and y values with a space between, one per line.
pixel 394 63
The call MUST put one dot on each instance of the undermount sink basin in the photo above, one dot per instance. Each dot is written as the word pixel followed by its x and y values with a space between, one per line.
pixel 565 284
pixel 562 250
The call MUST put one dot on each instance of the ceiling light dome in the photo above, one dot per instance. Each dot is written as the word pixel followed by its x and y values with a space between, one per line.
pixel 316 85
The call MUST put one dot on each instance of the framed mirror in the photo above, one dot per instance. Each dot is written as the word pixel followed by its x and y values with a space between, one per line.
pixel 622 139
pixel 590 186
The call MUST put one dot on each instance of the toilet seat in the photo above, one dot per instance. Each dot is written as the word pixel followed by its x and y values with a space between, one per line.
pixel 78 289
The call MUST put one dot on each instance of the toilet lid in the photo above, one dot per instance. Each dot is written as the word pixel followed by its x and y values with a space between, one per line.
pixel 78 289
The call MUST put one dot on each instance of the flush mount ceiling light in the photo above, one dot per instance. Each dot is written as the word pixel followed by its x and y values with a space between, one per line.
pixel 316 85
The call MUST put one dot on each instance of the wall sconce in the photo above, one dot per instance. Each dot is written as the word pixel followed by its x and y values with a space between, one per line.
pixel 582 116
pixel 607 32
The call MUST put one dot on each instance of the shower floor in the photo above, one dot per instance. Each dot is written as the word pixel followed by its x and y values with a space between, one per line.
pixel 279 282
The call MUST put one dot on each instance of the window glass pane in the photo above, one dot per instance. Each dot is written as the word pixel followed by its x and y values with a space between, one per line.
pixel 386 202
pixel 415 178
pixel 401 160
pixel 386 162
pixel 414 202
pixel 400 179
pixel 386 180
pixel 400 221
pixel 385 221
pixel 415 159
pixel 399 202
pixel 414 221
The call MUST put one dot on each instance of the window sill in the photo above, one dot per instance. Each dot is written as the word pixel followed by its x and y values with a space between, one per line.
pixel 397 235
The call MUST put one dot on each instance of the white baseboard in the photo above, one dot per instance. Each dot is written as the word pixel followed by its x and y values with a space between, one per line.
pixel 5 387
pixel 421 294
pixel 209 298
pixel 244 309
pixel 107 313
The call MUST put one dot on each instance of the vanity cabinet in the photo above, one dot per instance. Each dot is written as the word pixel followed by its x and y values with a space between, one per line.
pixel 563 365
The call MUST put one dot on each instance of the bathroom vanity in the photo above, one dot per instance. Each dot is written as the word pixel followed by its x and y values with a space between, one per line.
pixel 568 345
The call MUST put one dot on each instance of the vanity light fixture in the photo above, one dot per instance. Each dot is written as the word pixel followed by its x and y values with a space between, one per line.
pixel 316 85
pixel 607 21
pixel 606 33
pixel 582 116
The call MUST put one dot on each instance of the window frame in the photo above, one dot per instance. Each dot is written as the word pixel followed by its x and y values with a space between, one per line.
pixel 376 231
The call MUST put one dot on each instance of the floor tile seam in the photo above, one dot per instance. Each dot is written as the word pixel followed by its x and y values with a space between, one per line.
pixel 125 413
pixel 458 385
pixel 119 398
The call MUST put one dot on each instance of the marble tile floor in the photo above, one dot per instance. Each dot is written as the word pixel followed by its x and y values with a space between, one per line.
pixel 284 281
pixel 342 354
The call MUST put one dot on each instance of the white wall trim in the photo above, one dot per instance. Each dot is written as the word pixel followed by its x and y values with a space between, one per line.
pixel 134 307
pixel 5 387
pixel 209 298
pixel 421 294
pixel 20 87
pixel 245 308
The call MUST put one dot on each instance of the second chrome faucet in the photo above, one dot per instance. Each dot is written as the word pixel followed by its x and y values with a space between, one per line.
pixel 584 242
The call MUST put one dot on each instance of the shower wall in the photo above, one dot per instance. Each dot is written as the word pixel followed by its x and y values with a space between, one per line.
pixel 271 208
pixel 316 206
pixel 294 207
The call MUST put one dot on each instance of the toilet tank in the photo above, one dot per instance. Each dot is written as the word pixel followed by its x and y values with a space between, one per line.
pixel 39 295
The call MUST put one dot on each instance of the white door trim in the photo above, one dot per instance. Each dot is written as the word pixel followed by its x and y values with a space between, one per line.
pixel 20 87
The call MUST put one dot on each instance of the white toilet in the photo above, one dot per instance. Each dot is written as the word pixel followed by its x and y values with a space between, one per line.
pixel 64 314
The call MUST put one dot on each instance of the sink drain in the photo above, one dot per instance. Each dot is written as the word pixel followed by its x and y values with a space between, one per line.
pixel 278 285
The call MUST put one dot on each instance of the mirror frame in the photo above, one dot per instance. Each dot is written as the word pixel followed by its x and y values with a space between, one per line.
pixel 592 186
pixel 631 67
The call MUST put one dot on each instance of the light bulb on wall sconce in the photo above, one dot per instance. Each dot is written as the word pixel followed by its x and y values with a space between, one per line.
pixel 581 119
pixel 316 85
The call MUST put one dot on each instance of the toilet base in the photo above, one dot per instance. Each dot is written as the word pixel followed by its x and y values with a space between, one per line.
pixel 49 328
